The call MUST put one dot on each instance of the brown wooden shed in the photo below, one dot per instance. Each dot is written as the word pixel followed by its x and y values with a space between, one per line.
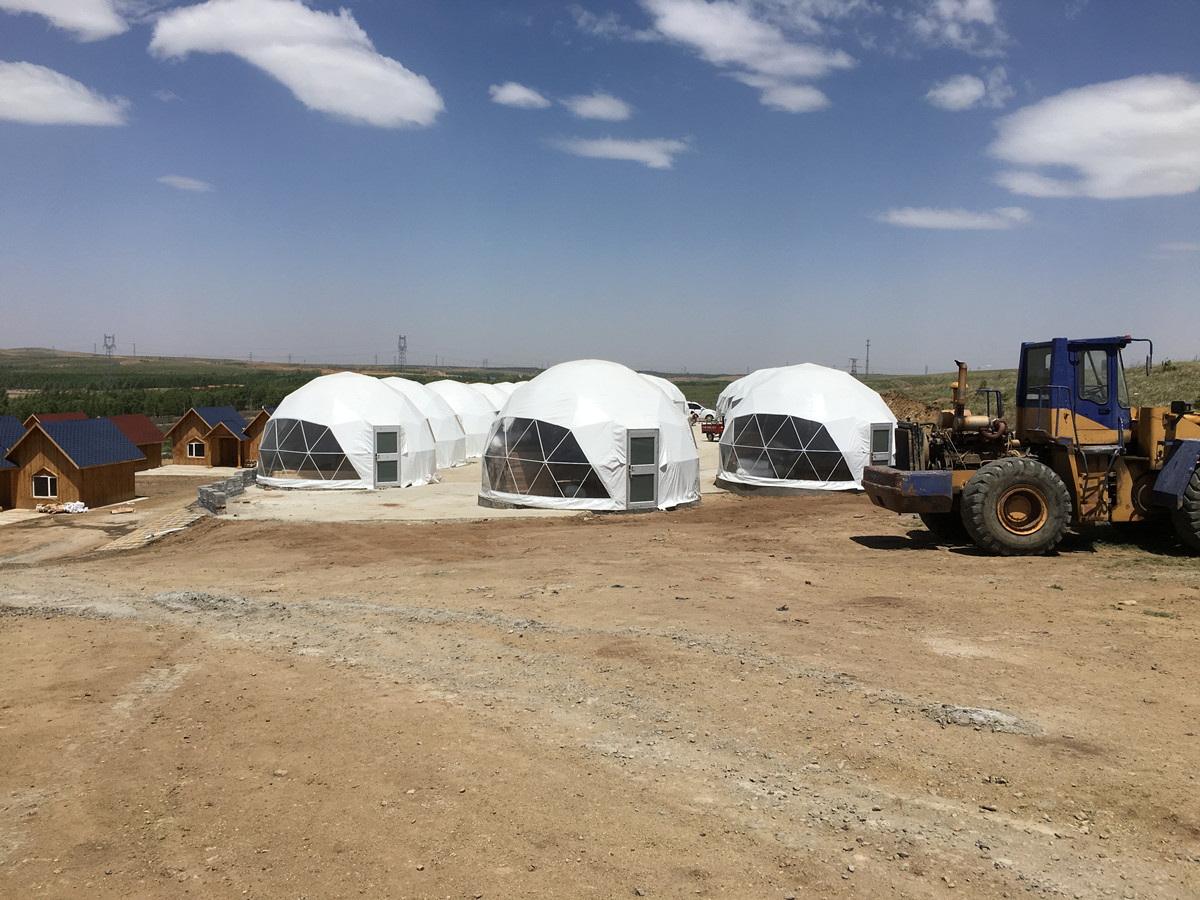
pixel 209 436
pixel 145 435
pixel 88 460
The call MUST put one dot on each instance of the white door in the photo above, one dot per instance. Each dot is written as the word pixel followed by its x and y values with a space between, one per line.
pixel 642 454
pixel 387 457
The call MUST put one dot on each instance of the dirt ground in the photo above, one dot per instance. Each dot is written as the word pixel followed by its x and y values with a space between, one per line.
pixel 758 697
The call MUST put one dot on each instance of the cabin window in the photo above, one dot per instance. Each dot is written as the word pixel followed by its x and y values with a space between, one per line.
pixel 1091 372
pixel 196 449
pixel 45 486
pixel 1037 374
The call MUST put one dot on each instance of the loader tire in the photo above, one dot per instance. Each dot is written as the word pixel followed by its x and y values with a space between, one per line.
pixel 1016 506
pixel 947 527
pixel 1187 518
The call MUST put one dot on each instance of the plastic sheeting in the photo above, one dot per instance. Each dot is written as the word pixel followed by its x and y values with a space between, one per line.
pixel 323 435
pixel 804 426
pixel 475 413
pixel 563 442
pixel 447 431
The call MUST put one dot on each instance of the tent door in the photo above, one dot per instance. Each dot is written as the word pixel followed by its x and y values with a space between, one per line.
pixel 881 445
pixel 642 453
pixel 387 457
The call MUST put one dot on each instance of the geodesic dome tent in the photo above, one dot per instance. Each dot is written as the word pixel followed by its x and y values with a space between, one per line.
pixel 590 435
pixel 494 395
pixel 346 431
pixel 474 412
pixel 448 433
pixel 805 426
pixel 674 394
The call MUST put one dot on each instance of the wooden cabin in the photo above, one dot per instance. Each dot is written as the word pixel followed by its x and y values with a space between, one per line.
pixel 254 432
pixel 11 431
pixel 86 460
pixel 209 436
pixel 146 436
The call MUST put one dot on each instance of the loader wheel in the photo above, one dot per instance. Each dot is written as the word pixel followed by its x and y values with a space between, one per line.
pixel 947 527
pixel 1016 507
pixel 1187 518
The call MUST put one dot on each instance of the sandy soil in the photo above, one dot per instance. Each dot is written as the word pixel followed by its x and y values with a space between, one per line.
pixel 757 697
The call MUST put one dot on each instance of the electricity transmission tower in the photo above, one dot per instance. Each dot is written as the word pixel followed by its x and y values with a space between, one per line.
pixel 402 351
pixel 110 344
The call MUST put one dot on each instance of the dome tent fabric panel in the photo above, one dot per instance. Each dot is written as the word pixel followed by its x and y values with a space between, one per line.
pixel 674 394
pixel 803 426
pixel 497 397
pixel 323 435
pixel 448 433
pixel 563 441
pixel 474 412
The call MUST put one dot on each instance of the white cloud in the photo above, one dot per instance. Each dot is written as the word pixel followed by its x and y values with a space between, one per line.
pixel 1139 137
pixel 326 60
pixel 657 154
pixel 727 34
pixel 40 96
pixel 599 106
pixel 954 219
pixel 957 93
pixel 87 20
pixel 785 95
pixel 1176 250
pixel 512 94
pixel 967 91
pixel 183 183
pixel 972 26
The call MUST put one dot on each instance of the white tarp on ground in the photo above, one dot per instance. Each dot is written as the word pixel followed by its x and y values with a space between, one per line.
pixel 323 435
pixel 564 442
pixel 447 431
pixel 674 394
pixel 804 426
pixel 475 413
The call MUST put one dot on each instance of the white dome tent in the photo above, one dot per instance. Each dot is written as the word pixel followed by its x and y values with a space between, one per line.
pixel 494 395
pixel 475 413
pixel 447 431
pixel 674 394
pixel 346 431
pixel 803 427
pixel 590 434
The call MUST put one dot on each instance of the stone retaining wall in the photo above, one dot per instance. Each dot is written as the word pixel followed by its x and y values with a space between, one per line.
pixel 212 497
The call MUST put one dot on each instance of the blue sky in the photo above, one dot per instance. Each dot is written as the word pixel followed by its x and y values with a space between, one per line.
pixel 670 184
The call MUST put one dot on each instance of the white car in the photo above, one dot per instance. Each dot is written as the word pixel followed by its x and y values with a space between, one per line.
pixel 698 412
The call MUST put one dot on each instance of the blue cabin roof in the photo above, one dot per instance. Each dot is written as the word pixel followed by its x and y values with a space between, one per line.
pixel 92 442
pixel 11 431
pixel 215 415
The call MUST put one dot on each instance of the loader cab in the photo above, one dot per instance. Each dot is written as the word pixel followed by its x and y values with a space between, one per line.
pixel 1073 391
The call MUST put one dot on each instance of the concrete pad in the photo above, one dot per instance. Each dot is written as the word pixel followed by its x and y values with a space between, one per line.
pixel 455 498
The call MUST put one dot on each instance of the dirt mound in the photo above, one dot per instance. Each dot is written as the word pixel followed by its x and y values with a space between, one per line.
pixel 907 409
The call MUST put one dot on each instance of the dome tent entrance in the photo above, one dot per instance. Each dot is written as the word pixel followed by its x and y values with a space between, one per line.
pixel 802 427
pixel 590 435
pixel 346 431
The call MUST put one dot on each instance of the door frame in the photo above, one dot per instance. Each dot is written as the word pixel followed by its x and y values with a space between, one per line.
pixel 641 469
pixel 377 457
